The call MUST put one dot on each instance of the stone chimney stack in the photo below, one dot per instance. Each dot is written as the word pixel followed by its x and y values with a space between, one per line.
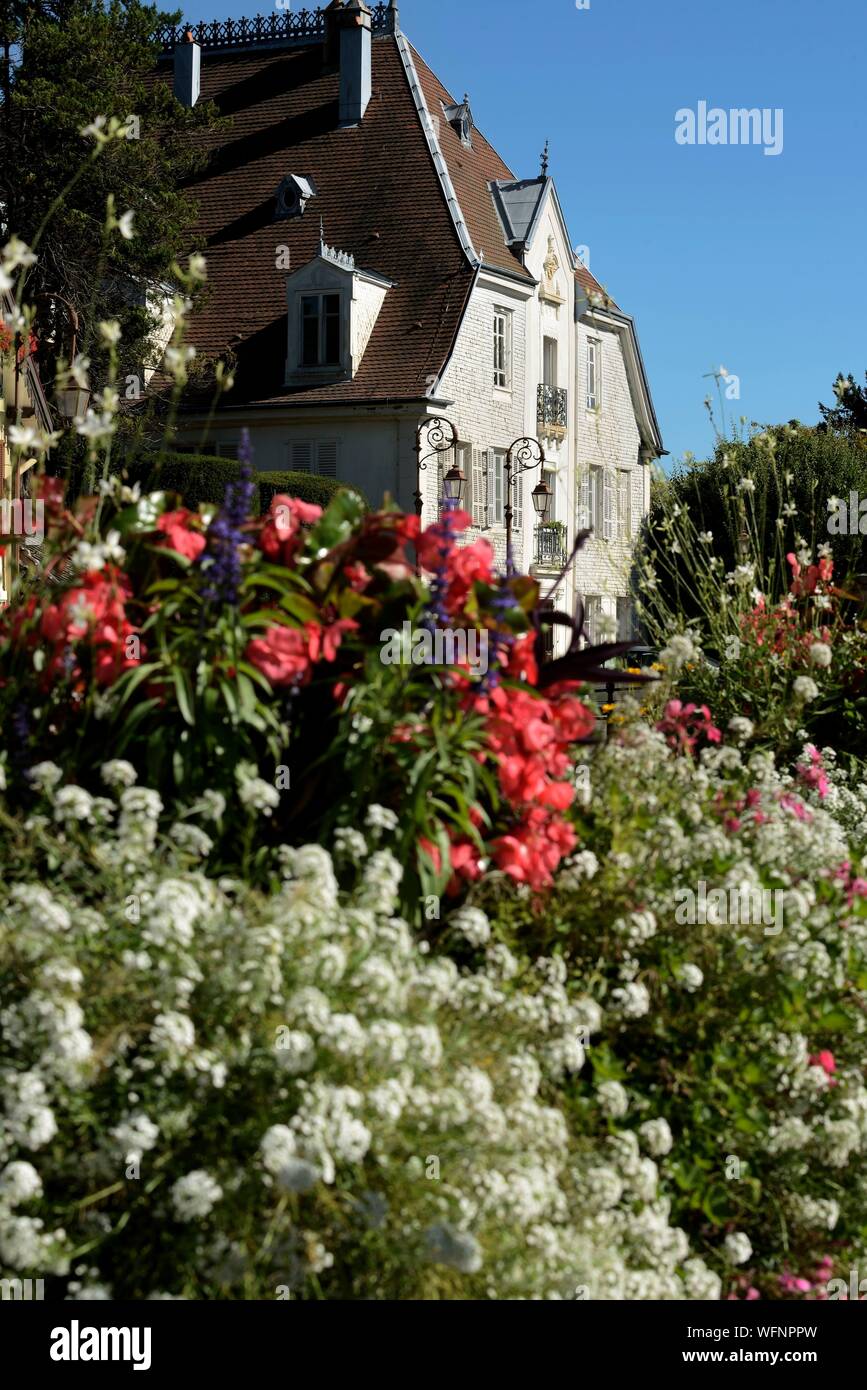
pixel 348 39
pixel 188 68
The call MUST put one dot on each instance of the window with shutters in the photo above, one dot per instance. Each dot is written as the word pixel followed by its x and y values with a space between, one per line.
pixel 624 480
pixel 312 456
pixel 607 504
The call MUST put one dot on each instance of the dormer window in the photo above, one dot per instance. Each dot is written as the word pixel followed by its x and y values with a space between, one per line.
pixel 320 330
pixel 333 309
pixel 293 195
pixel 460 118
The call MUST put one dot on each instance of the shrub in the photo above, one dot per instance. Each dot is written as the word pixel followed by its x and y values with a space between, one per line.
pixel 217 1094
pixel 310 487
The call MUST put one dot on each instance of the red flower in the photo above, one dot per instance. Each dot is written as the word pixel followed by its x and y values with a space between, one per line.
pixel 324 641
pixel 180 536
pixel 281 655
pixel 280 537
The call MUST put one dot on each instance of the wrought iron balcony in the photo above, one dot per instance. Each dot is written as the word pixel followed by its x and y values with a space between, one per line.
pixel 550 548
pixel 551 409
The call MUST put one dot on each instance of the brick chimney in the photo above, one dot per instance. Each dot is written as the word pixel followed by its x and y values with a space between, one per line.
pixel 348 39
pixel 188 67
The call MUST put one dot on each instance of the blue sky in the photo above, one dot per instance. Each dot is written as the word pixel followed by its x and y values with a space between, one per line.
pixel 724 255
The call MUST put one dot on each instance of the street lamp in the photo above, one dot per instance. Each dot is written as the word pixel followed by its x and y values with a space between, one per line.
pixel 441 436
pixel 73 400
pixel 453 484
pixel 541 496
pixel 523 455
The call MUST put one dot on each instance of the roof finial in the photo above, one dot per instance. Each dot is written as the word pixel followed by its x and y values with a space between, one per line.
pixel 545 161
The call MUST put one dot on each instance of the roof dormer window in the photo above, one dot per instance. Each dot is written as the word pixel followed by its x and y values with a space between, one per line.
pixel 460 118
pixel 293 195
pixel 333 309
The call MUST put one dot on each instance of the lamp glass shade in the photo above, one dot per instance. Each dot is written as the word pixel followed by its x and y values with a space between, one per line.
pixel 73 402
pixel 541 499
pixel 453 484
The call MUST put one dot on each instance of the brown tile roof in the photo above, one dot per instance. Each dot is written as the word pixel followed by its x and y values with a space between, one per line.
pixel 591 286
pixel 471 171
pixel 379 198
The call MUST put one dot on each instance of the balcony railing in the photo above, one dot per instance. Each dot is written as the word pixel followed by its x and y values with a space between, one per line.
pixel 550 549
pixel 551 406
pixel 302 27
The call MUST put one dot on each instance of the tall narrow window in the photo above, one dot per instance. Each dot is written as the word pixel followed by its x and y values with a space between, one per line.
pixel 320 330
pixel 595 499
pixel 549 361
pixel 624 479
pixel 550 477
pixel 503 349
pixel 594 373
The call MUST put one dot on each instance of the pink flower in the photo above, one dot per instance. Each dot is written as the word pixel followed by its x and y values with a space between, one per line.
pixel 825 1060
pixel 175 526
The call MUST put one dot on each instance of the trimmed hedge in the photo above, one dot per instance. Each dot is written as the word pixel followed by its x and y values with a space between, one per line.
pixel 203 478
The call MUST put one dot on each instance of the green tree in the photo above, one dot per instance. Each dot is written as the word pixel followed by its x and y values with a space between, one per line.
pixel 71 62
pixel 849 415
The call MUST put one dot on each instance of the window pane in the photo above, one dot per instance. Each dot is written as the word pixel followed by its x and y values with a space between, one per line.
pixel 332 329
pixel 310 331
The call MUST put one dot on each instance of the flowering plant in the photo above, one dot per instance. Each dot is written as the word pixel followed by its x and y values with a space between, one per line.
pixel 217 649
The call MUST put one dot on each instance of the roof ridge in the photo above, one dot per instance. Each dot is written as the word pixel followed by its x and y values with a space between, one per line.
pixel 439 162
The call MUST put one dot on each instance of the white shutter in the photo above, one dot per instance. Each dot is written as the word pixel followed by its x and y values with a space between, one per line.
pixel 607 505
pixel 327 458
pixel 477 488
pixel 497 511
pixel 518 507
pixel 584 501
pixel 299 456
pixel 623 482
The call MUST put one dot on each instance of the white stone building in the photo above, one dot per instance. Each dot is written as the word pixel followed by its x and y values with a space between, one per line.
pixel 374 266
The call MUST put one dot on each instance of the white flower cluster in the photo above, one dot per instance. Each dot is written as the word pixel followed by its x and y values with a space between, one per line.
pixel 299 1045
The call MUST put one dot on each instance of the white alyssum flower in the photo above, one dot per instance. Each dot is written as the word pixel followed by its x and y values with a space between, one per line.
pixel 656 1136
pixel 19 1183
pixel 741 728
pixel 805 688
pixel 690 976
pixel 117 772
pixel 44 776
pixel 820 654
pixel 738 1248
pixel 195 1195
pixel 612 1099
pixel 472 924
